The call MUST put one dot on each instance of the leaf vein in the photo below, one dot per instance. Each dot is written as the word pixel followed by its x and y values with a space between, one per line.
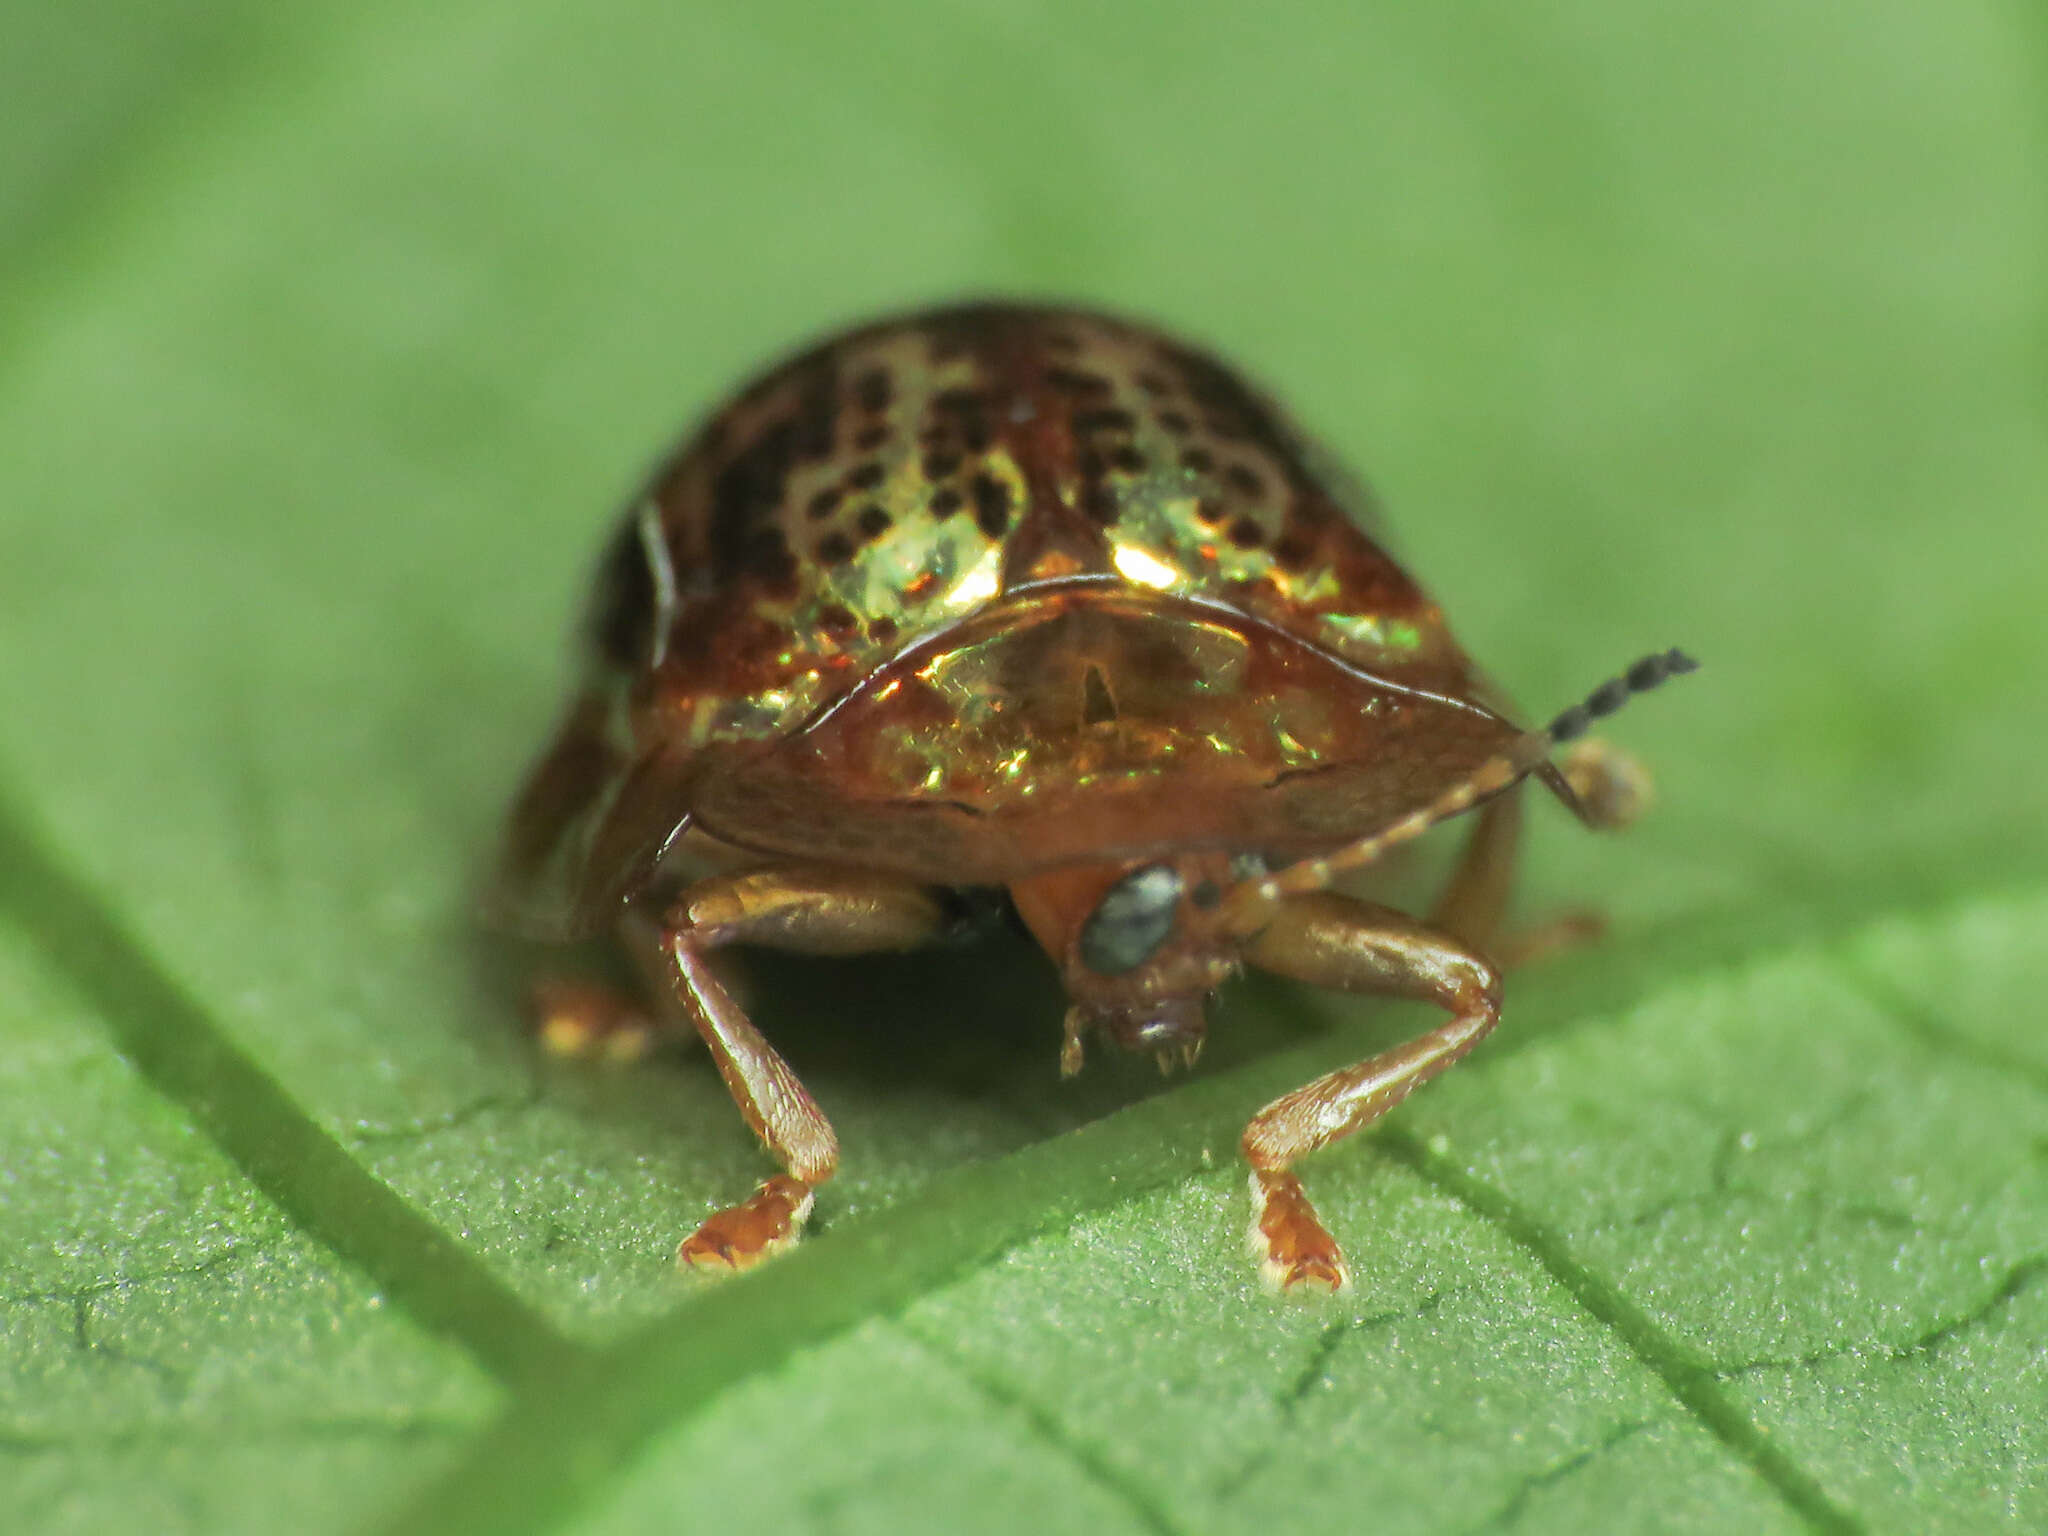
pixel 1690 1381
pixel 1517 1503
pixel 256 1124
pixel 1045 1427
pixel 2017 1280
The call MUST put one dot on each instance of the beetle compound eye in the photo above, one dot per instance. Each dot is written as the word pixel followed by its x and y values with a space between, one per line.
pixel 1131 921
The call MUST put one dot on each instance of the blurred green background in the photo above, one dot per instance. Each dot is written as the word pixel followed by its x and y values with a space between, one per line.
pixel 329 337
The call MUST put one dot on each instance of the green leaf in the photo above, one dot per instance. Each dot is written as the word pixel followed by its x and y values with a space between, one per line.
pixel 329 337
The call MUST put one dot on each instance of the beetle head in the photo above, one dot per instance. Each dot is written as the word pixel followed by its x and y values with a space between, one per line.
pixel 1136 948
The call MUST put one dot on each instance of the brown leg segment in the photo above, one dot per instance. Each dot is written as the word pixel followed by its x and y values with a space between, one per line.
pixel 816 910
pixel 1334 941
pixel 587 1020
pixel 1475 898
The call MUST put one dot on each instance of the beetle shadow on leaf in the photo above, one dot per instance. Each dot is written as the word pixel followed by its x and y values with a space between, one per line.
pixel 981 1022
pixel 974 1027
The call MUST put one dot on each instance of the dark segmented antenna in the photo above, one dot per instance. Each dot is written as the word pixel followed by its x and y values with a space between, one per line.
pixel 1248 905
pixel 1616 691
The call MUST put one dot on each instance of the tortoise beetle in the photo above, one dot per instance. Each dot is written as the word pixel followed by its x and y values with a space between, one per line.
pixel 1045 602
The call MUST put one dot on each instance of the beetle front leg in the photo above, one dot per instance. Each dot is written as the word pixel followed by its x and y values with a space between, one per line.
pixel 1335 941
pixel 820 911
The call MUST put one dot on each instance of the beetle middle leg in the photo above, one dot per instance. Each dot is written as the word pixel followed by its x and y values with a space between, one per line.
pixel 1336 941
pixel 1475 899
pixel 1607 789
pixel 581 1019
pixel 815 909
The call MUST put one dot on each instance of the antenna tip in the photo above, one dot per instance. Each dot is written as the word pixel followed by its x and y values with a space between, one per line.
pixel 1612 694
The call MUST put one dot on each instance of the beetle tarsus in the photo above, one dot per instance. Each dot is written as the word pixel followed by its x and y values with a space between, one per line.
pixel 766 1223
pixel 1337 941
pixel 1294 1249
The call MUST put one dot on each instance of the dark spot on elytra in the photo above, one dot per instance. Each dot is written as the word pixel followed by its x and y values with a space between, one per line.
pixel 873 523
pixel 938 464
pixel 746 491
pixel 837 620
pixel 882 630
pixel 1063 341
pixel 866 477
pixel 1129 460
pixel 824 502
pixel 1152 384
pixel 872 390
pixel 991 506
pixel 1174 422
pixel 1245 480
pixel 1200 460
pixel 749 487
pixel 834 549
pixel 1246 534
pixel 1099 502
pixel 1210 509
pixel 969 328
pixel 817 415
pixel 769 561
pixel 868 439
pixel 1108 418
pixel 1073 381
pixel 1292 552
pixel 1234 410
pixel 946 501
pixel 1091 464
pixel 962 414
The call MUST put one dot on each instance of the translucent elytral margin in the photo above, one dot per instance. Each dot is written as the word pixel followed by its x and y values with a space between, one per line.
pixel 1247 906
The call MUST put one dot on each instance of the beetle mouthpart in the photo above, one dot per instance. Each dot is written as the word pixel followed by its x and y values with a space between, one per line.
pixel 1182 1059
pixel 1169 1027
pixel 1071 1054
